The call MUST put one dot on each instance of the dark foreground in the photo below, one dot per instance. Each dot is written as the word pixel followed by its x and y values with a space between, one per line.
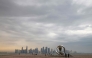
pixel 43 56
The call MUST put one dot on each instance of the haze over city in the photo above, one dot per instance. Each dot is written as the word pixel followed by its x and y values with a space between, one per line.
pixel 38 23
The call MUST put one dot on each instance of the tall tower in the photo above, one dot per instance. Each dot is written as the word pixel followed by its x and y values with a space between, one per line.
pixel 22 51
pixel 46 50
pixel 43 50
pixel 26 49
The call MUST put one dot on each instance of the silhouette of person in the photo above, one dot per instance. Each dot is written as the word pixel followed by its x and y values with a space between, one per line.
pixel 45 54
pixel 68 55
pixel 65 55
pixel 19 53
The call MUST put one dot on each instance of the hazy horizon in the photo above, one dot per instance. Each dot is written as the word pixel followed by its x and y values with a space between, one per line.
pixel 38 23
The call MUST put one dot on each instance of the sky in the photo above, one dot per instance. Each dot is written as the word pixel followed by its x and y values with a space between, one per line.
pixel 38 23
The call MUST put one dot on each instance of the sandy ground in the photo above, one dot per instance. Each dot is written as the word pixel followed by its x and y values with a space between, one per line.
pixel 43 56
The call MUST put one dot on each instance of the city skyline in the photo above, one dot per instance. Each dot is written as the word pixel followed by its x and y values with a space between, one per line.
pixel 38 23
pixel 42 50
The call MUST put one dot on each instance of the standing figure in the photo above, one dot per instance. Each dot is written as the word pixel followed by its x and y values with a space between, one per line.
pixel 65 55
pixel 19 53
pixel 68 55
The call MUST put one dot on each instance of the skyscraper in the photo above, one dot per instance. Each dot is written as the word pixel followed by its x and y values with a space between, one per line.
pixel 22 51
pixel 26 49
pixel 31 51
pixel 16 51
pixel 51 51
pixel 43 50
pixel 36 50
pixel 48 50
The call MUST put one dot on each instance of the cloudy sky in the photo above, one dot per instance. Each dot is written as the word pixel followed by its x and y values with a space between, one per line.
pixel 38 23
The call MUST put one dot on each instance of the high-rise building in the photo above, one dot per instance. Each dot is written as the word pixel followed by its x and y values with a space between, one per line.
pixel 48 50
pixel 36 50
pixel 31 51
pixel 22 51
pixel 16 51
pixel 51 51
pixel 26 51
pixel 43 50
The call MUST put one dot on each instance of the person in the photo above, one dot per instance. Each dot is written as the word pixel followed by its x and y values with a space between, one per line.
pixel 68 55
pixel 45 54
pixel 19 53
pixel 65 55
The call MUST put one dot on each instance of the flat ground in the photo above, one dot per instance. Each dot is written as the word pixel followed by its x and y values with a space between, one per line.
pixel 42 56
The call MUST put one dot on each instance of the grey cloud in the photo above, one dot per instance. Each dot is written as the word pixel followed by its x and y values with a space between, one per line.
pixel 64 13
pixel 9 8
pixel 30 23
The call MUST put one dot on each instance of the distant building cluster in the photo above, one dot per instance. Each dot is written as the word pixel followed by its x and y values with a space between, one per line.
pixel 43 50
pixel 22 50
pixel 46 50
